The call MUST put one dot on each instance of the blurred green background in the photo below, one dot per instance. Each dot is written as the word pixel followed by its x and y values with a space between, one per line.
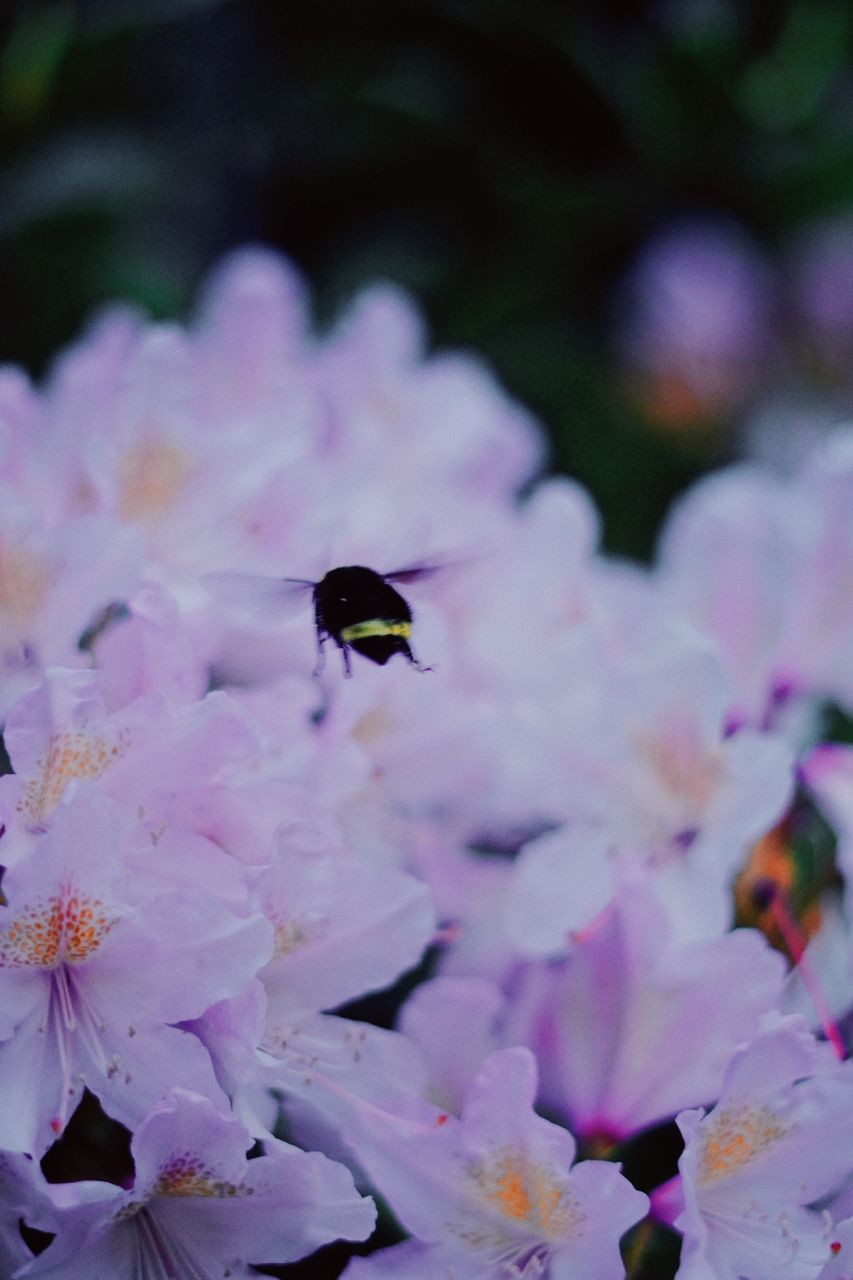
pixel 510 161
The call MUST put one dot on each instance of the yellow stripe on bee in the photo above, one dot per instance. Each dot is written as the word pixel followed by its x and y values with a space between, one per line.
pixel 375 627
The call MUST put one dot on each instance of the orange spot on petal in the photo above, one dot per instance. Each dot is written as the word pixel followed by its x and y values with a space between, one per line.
pixel 152 475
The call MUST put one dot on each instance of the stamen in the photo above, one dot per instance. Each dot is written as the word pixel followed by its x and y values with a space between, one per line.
pixel 60 1012
pixel 158 1264
pixel 91 1028
pixel 170 1257
pixel 60 983
pixel 139 1268
pixel 776 902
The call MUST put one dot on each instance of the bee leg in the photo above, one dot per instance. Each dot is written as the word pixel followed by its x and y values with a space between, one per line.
pixel 347 664
pixel 321 655
pixel 412 660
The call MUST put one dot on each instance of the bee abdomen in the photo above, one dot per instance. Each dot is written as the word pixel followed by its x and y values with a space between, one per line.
pixel 375 627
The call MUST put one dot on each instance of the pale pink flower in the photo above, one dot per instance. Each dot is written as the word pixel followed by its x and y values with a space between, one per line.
pixel 493 1193
pixel 91 983
pixel 777 1141
pixel 627 988
pixel 199 1207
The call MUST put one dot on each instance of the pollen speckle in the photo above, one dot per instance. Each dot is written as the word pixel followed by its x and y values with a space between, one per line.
pixel 70 754
pixel 187 1175
pixel 734 1137
pixel 527 1194
pixel 289 936
pixel 66 928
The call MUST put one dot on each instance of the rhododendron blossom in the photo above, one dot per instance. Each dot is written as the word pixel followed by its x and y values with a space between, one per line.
pixel 92 984
pixel 492 1192
pixel 777 1141
pixel 199 1208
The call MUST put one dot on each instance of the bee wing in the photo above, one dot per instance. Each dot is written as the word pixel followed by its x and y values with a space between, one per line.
pixel 272 599
pixel 428 568
pixel 415 572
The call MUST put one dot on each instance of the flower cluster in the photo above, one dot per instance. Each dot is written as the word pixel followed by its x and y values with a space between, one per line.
pixel 576 825
pixel 711 329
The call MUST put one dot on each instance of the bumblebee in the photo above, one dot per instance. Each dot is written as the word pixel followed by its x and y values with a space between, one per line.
pixel 359 609
pixel 355 606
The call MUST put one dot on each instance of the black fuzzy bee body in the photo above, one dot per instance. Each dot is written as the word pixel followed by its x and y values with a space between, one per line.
pixel 359 609
pixel 356 607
